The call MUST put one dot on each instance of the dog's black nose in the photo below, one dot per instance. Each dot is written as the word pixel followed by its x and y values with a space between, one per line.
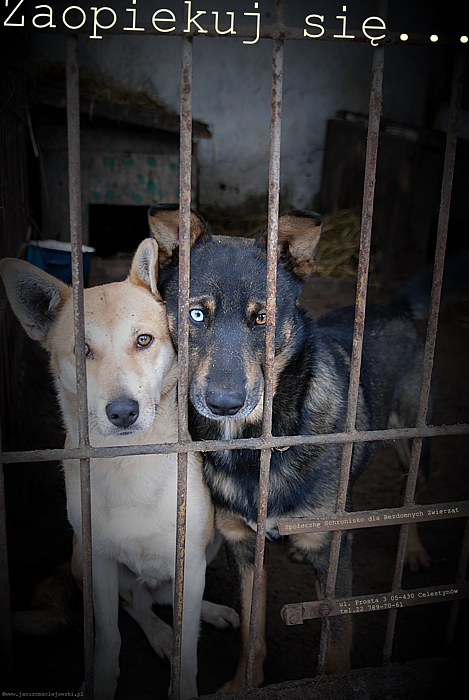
pixel 123 412
pixel 224 404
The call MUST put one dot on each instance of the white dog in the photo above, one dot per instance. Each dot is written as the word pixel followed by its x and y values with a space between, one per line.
pixel 131 377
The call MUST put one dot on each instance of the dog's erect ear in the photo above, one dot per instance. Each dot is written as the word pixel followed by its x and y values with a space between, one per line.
pixel 35 296
pixel 164 227
pixel 298 236
pixel 144 268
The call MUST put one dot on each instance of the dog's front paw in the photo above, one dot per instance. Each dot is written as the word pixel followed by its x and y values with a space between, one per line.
pixel 219 615
pixel 232 686
pixel 161 641
pixel 417 558
pixel 237 684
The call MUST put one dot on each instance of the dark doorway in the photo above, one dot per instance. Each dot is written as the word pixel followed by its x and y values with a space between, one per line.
pixel 116 229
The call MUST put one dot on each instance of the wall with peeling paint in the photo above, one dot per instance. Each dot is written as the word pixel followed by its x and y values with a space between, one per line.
pixel 119 167
pixel 232 88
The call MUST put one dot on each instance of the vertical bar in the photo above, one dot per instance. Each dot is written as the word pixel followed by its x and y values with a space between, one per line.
pixel 183 352
pixel 185 190
pixel 272 246
pixel 432 327
pixel 359 323
pixel 460 577
pixel 74 176
pixel 6 641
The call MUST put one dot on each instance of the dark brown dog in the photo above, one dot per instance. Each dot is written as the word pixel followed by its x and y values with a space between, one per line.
pixel 312 357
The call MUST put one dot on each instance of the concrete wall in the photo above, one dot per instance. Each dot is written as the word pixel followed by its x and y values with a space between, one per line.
pixel 232 88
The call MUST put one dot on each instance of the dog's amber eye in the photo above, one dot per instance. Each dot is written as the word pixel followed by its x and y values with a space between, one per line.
pixel 144 340
pixel 261 319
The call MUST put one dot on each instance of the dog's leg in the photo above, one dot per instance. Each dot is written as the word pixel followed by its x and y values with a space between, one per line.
pixel 158 633
pixel 220 616
pixel 107 637
pixel 416 556
pixel 137 600
pixel 194 576
pixel 316 551
pixel 246 574
pixel 240 547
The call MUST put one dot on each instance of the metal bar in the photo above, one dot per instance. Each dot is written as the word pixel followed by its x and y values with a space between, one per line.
pixel 358 520
pixel 359 322
pixel 6 640
pixel 179 576
pixel 432 327
pixel 185 155
pixel 296 613
pixel 271 286
pixel 74 175
pixel 275 31
pixel 238 444
pixel 258 566
pixel 272 225
pixel 443 221
pixel 363 266
pixel 185 158
pixel 460 579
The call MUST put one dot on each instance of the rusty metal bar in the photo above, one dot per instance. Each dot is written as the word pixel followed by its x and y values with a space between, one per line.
pixel 237 444
pixel 6 641
pixel 185 156
pixel 359 322
pixel 363 266
pixel 460 579
pixel 274 31
pixel 360 519
pixel 296 613
pixel 74 175
pixel 442 233
pixel 272 223
pixel 272 246
pixel 432 327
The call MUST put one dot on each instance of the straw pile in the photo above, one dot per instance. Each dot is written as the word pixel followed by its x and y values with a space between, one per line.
pixel 337 252
pixel 226 223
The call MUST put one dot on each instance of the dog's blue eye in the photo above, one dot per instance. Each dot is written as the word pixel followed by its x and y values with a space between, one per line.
pixel 197 315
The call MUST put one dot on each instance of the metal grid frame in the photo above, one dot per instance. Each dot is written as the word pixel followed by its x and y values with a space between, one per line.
pixel 336 522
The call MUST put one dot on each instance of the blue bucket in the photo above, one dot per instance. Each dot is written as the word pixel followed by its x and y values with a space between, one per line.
pixel 55 258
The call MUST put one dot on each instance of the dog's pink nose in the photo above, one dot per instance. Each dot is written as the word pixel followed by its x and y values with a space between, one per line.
pixel 123 412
